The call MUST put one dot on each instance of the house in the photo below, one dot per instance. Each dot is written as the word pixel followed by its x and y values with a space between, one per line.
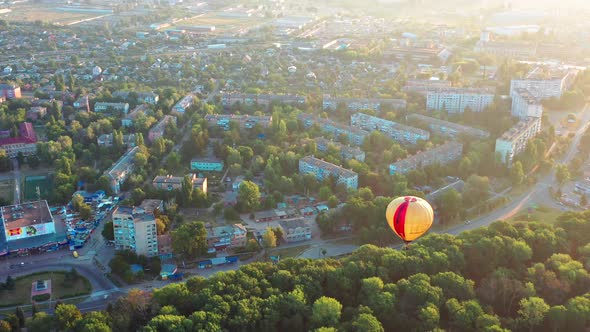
pixel 165 246
pixel 36 112
pixel 222 237
pixel 100 107
pixel 158 130
pixel 170 182
pixel 106 140
pixel 82 103
pixel 142 97
pixel 10 91
pixel 207 165
pixel 295 230
pixel 129 119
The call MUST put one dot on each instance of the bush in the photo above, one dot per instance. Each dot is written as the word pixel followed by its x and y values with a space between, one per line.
pixel 41 298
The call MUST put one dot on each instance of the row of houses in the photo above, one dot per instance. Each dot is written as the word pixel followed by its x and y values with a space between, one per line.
pixel 354 135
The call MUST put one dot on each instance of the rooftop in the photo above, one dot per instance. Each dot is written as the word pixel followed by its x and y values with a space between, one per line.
pixel 26 214
pixel 333 169
pixel 391 124
pixel 472 91
pixel 123 163
pixel 151 205
pixel 27 135
pixel 519 128
pixel 452 125
pixel 292 224
pixel 528 96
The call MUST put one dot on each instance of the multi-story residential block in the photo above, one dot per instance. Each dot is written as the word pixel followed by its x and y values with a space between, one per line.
pixel 295 230
pixel 359 104
pixel 120 171
pixel 398 132
pixel 323 169
pixel 169 182
pixel 106 140
pixel 448 129
pixel 525 104
pixel 100 107
pixel 346 152
pixel 142 97
pixel 25 142
pixel 223 237
pixel 355 136
pixel 135 230
pixel 420 54
pixel 543 83
pixel 423 86
pixel 515 140
pixel 519 50
pixel 181 106
pixel 159 128
pixel 442 154
pixel 455 100
pixel 229 99
pixel 243 121
pixel 129 119
pixel 207 165
pixel 9 91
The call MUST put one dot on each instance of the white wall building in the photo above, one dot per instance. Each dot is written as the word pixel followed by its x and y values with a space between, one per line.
pixel 323 169
pixel 525 104
pixel 544 84
pixel 455 100
pixel 135 229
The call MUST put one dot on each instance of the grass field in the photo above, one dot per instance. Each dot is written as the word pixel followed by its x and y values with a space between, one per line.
pixel 45 14
pixel 21 294
pixel 223 24
pixel 7 190
pixel 541 214
pixel 289 252
pixel 30 187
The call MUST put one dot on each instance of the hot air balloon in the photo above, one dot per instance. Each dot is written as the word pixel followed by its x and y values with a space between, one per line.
pixel 409 217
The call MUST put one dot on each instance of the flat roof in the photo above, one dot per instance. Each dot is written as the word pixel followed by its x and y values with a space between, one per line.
pixel 26 214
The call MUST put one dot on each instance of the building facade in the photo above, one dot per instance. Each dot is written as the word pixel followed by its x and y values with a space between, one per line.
pixel 543 83
pixel 322 170
pixel 181 106
pixel 446 128
pixel 354 135
pixel 159 128
pixel 295 230
pixel 142 97
pixel 169 182
pixel 10 91
pixel 207 165
pixel 515 140
pixel 25 142
pixel 455 100
pixel 135 230
pixel 222 237
pixel 442 154
pixel 398 132
pixel 525 104
pixel 100 107
pixel 346 152
pixel 358 104
pixel 120 171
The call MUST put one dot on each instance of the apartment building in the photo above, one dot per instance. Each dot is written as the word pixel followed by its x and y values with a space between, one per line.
pixel 323 169
pixel 229 99
pixel 181 106
pixel 10 91
pixel 545 83
pixel 446 128
pixel 106 140
pixel 169 182
pixel 120 171
pixel 525 104
pixel 222 237
pixel 442 154
pixel 135 230
pixel 358 104
pixel 519 50
pixel 399 132
pixel 355 136
pixel 455 100
pixel 346 152
pixel 100 107
pixel 82 103
pixel 423 86
pixel 25 142
pixel 158 130
pixel 142 97
pixel 515 140
pixel 243 121
pixel 295 230
pixel 129 119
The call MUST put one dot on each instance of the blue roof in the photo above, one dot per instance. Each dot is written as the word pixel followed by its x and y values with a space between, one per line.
pixel 168 269
pixel 136 268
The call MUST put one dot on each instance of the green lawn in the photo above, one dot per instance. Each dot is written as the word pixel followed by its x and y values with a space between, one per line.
pixel 21 294
pixel 541 214
pixel 289 252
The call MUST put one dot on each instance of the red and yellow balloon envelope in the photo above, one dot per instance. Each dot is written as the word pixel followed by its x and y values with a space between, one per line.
pixel 409 217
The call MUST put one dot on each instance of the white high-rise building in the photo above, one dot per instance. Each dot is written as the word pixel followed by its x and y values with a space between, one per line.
pixel 525 104
pixel 135 229
pixel 544 84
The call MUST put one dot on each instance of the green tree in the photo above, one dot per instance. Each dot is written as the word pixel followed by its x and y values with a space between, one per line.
pixel 517 173
pixel 269 239
pixel 367 323
pixel 248 196
pixel 562 174
pixel 5 326
pixel 67 316
pixel 450 205
pixel 532 312
pixel 190 240
pixel 85 211
pixel 326 312
pixel 187 190
pixel 20 314
pixel 41 322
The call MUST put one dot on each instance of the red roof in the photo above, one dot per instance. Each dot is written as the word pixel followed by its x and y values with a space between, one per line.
pixel 27 135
